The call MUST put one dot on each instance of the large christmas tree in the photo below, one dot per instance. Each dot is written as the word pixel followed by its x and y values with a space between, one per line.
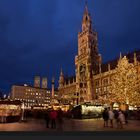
pixel 123 84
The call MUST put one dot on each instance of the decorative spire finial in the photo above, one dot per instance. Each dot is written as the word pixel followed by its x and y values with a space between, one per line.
pixel 86 23
pixel 120 55
pixel 108 66
pixel 135 59
pixel 53 80
pixel 61 70
pixel 86 6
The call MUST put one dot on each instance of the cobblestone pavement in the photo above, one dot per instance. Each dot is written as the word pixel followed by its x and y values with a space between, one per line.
pixel 68 125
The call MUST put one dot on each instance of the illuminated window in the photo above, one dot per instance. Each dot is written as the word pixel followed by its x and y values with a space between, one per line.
pixel 108 88
pixel 105 81
pixel 105 88
pixel 96 90
pixel 28 89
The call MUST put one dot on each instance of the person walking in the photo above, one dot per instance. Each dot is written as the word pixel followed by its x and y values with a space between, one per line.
pixel 47 118
pixel 116 115
pixel 111 117
pixel 126 116
pixel 105 117
pixel 53 116
pixel 121 119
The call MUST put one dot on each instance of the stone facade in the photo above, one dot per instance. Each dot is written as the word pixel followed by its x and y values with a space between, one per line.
pixel 92 78
pixel 31 96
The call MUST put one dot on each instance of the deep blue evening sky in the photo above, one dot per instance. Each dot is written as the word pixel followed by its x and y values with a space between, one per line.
pixel 37 37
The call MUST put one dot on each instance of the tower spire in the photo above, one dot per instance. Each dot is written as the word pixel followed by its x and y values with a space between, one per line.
pixel 52 87
pixel 87 23
pixel 61 78
pixel 61 73
pixel 135 59
pixel 120 55
pixel 86 7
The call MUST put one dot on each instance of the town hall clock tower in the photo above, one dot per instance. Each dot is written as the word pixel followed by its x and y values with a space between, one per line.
pixel 87 60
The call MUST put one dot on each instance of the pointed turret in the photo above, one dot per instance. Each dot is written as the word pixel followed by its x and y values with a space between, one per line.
pixel 109 67
pixel 120 55
pixel 61 78
pixel 135 59
pixel 61 73
pixel 53 87
pixel 87 23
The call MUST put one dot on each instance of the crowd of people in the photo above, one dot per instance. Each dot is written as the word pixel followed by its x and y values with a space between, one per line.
pixel 119 116
pixel 53 117
pixel 112 118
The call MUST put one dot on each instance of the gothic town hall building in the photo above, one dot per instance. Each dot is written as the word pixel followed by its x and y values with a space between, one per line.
pixel 92 78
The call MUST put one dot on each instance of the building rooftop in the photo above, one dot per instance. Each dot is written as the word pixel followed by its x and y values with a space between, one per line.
pixel 29 86
pixel 71 78
pixel 113 63
pixel 10 102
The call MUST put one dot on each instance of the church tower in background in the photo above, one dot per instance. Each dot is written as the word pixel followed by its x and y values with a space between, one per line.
pixel 44 83
pixel 87 61
pixel 37 81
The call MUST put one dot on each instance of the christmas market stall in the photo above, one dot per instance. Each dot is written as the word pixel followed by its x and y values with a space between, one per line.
pixel 10 111
pixel 87 111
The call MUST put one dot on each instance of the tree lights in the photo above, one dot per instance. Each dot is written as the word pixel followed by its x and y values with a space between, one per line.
pixel 124 85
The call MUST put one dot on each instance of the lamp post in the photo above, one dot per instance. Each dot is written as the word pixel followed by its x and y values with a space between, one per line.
pixel 77 99
pixel 22 115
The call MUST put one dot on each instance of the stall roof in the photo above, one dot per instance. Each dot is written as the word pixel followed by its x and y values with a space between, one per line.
pixel 9 102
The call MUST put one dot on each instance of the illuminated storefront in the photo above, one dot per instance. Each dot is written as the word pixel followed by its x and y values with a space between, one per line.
pixel 87 111
pixel 10 111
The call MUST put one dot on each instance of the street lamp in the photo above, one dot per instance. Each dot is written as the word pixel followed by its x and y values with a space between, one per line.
pixel 22 115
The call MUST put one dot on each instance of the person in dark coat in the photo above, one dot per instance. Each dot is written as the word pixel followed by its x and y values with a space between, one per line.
pixel 47 118
pixel 126 116
pixel 116 115
pixel 53 116
pixel 60 118
pixel 105 117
